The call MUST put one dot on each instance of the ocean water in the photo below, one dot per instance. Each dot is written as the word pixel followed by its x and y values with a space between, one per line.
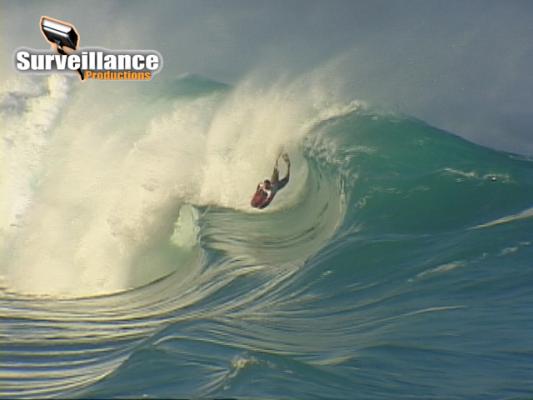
pixel 397 263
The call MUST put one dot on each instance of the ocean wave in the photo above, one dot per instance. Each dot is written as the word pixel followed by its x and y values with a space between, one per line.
pixel 140 243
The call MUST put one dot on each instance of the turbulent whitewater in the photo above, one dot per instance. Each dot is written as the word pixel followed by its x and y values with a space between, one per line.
pixel 395 264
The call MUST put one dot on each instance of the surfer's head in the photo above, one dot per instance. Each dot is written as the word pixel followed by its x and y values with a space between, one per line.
pixel 267 184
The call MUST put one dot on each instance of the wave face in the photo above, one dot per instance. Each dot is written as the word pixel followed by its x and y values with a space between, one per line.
pixel 396 263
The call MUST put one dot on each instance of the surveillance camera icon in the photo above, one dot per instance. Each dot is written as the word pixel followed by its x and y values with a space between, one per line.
pixel 62 35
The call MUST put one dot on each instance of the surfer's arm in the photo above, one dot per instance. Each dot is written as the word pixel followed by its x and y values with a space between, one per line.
pixel 281 183
pixel 275 175
pixel 285 180
pixel 288 162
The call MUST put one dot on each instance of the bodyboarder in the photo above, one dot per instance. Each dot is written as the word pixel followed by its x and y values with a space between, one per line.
pixel 266 190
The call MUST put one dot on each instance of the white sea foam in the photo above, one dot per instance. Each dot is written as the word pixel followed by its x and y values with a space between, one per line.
pixel 468 175
pixel 526 214
pixel 107 191
pixel 440 269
